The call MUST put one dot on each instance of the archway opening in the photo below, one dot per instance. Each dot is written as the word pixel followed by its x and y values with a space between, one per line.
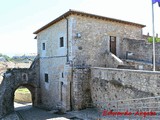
pixel 22 98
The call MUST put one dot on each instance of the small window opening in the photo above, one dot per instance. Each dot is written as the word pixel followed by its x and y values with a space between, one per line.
pixel 61 91
pixel 61 42
pixel 62 75
pixel 46 77
pixel 43 46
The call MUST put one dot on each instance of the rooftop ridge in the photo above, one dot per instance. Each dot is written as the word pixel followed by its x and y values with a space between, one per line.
pixel 66 14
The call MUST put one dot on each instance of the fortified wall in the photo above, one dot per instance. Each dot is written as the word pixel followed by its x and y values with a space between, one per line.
pixel 81 88
pixel 111 84
pixel 139 50
pixel 15 78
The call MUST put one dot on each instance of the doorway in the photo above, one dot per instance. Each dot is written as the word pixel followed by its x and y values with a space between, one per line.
pixel 113 44
pixel 22 98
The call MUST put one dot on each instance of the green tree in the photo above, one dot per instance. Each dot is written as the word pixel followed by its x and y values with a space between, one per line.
pixel 6 57
pixel 150 39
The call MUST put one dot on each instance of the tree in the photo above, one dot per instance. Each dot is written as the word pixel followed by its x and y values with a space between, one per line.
pixel 150 39
pixel 6 57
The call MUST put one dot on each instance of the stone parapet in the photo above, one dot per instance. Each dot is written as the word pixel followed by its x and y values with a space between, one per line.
pixel 109 84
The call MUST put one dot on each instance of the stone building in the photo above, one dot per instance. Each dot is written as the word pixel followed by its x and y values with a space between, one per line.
pixel 85 59
pixel 72 43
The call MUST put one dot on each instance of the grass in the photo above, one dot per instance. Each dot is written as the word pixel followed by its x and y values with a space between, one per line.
pixel 150 39
pixel 22 90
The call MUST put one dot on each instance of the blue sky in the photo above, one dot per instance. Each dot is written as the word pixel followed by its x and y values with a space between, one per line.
pixel 20 18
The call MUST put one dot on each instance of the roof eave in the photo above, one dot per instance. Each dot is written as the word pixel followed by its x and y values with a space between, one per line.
pixel 87 14
pixel 52 22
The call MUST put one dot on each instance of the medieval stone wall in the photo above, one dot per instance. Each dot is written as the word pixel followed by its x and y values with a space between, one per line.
pixel 55 92
pixel 91 47
pixel 11 81
pixel 15 78
pixel 109 84
pixel 142 50
pixel 81 87
pixel 88 49
pixel 140 65
pixel 112 61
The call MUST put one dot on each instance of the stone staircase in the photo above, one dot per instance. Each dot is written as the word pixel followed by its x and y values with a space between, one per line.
pixel 113 61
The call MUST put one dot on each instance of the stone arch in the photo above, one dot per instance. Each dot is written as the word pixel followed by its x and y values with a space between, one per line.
pixel 32 90
pixel 10 83
pixel 8 100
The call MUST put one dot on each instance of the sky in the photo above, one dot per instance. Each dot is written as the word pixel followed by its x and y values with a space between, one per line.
pixel 20 18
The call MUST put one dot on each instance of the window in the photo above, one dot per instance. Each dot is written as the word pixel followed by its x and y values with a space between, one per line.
pixel 61 91
pixel 62 75
pixel 46 77
pixel 113 44
pixel 61 42
pixel 43 46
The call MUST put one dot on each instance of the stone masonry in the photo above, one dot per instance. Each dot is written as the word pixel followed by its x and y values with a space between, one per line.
pixel 75 66
pixel 141 49
pixel 94 43
pixel 86 40
pixel 139 53
pixel 15 78
pixel 81 87
pixel 111 84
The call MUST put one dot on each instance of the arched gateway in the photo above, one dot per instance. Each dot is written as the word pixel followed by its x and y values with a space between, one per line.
pixel 11 81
